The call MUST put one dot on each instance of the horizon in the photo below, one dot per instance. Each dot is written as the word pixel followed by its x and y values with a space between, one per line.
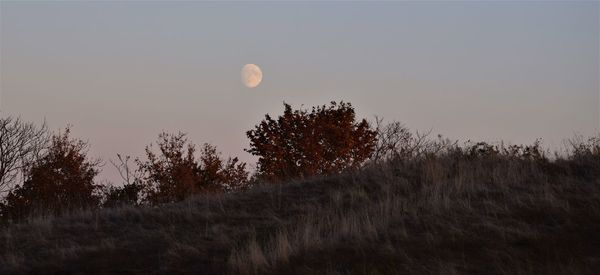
pixel 121 73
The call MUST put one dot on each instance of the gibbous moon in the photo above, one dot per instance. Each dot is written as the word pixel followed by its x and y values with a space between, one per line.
pixel 251 75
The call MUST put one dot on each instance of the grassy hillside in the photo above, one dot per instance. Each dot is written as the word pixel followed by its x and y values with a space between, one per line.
pixel 436 215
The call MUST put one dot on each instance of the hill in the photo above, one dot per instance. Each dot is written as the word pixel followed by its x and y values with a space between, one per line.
pixel 426 216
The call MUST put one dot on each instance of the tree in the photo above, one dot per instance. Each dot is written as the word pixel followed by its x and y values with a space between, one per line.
pixel 21 144
pixel 61 180
pixel 328 139
pixel 174 173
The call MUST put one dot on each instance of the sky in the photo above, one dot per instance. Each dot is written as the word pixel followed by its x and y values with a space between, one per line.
pixel 122 72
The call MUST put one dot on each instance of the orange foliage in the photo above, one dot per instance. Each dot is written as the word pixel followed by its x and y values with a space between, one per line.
pixel 300 143
pixel 173 173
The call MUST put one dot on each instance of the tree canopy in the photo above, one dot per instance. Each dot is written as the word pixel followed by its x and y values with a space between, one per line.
pixel 302 143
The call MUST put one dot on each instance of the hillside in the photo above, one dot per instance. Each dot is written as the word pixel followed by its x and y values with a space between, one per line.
pixel 428 216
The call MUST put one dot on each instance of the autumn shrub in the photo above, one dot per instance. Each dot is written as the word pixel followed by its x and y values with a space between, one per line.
pixel 301 143
pixel 62 180
pixel 174 173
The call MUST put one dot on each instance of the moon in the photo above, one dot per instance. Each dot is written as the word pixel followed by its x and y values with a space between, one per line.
pixel 251 75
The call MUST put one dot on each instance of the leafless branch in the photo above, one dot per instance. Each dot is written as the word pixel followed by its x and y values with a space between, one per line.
pixel 21 144
pixel 128 175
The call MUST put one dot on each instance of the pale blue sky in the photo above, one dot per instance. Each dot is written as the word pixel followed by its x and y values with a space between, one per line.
pixel 122 72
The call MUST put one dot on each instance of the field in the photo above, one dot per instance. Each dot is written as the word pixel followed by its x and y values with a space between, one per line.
pixel 437 215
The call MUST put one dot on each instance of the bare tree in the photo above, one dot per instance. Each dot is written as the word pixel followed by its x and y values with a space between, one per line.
pixel 127 174
pixel 395 141
pixel 21 144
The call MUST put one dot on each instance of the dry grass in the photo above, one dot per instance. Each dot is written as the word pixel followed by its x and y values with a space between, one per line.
pixel 435 215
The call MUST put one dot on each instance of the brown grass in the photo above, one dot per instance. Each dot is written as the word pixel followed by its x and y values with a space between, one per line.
pixel 432 215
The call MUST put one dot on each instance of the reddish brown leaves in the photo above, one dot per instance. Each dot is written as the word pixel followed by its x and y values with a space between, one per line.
pixel 60 181
pixel 328 139
pixel 174 173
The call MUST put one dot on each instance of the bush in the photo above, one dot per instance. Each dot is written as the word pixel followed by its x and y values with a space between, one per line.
pixel 395 142
pixel 174 173
pixel 584 157
pixel 128 194
pixel 62 180
pixel 131 191
pixel 326 140
pixel 581 148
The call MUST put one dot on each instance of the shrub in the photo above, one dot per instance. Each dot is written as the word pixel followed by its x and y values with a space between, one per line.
pixel 174 173
pixel 584 156
pixel 128 194
pixel 62 180
pixel 581 148
pixel 396 142
pixel 328 139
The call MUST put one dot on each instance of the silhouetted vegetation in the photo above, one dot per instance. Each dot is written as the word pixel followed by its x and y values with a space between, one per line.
pixel 475 209
pixel 21 145
pixel 59 177
pixel 298 144
pixel 174 173
pixel 130 192
pixel 395 141
pixel 61 180
pixel 390 202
